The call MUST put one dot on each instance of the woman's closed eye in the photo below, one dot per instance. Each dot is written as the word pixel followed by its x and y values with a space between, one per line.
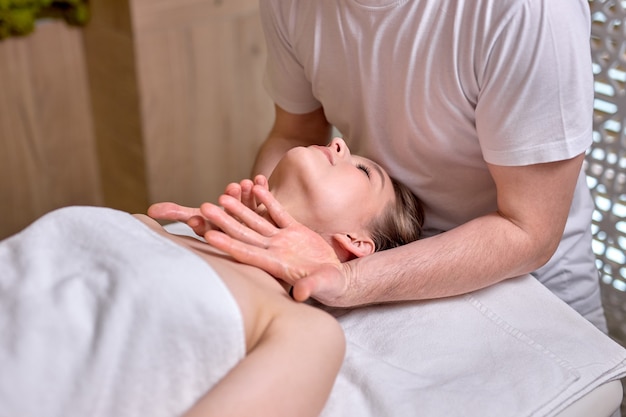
pixel 365 169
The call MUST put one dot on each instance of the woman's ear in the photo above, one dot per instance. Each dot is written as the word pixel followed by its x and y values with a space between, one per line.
pixel 356 244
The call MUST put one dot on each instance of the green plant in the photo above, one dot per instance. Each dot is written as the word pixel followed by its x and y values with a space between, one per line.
pixel 17 17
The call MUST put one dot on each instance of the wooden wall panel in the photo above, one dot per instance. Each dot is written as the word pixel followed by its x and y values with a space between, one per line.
pixel 154 100
pixel 204 110
pixel 175 14
pixel 111 61
pixel 47 155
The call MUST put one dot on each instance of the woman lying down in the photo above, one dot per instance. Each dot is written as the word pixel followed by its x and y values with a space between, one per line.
pixel 103 313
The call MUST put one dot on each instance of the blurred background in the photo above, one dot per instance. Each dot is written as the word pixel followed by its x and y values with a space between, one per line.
pixel 123 103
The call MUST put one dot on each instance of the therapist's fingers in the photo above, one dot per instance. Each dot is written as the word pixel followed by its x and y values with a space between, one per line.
pixel 177 213
pixel 199 225
pixel 246 216
pixel 326 284
pixel 277 212
pixel 243 252
pixel 234 190
pixel 303 288
pixel 242 191
pixel 261 180
pixel 231 223
pixel 247 198
pixel 172 211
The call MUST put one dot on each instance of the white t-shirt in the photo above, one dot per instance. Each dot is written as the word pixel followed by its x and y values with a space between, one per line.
pixel 434 89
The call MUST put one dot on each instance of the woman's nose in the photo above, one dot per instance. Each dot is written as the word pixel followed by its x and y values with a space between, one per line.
pixel 339 146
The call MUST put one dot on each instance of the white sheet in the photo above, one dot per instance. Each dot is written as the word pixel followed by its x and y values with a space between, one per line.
pixel 111 321
pixel 510 350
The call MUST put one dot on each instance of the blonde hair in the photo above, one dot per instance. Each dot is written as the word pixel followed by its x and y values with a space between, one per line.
pixel 401 222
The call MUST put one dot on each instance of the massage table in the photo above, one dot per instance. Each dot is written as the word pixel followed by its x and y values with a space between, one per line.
pixel 536 355
pixel 601 401
pixel 512 349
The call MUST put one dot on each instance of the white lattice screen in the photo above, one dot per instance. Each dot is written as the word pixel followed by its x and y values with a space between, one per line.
pixel 606 160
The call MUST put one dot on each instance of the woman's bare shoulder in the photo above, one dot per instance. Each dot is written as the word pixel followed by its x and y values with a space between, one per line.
pixel 259 296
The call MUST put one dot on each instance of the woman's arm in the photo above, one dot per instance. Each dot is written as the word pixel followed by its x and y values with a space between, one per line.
pixel 290 372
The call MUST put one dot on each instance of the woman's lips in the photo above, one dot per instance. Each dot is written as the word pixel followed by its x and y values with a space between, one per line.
pixel 326 151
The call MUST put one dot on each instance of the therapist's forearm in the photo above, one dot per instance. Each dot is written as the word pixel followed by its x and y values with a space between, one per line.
pixel 270 153
pixel 533 205
pixel 475 255
pixel 290 130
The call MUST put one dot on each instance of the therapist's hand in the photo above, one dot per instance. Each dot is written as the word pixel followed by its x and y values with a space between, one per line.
pixel 282 247
pixel 241 191
pixel 177 213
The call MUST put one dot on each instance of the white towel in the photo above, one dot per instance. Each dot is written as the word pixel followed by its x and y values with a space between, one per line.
pixel 513 349
pixel 112 320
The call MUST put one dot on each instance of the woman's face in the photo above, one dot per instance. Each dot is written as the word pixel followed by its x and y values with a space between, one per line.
pixel 329 190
